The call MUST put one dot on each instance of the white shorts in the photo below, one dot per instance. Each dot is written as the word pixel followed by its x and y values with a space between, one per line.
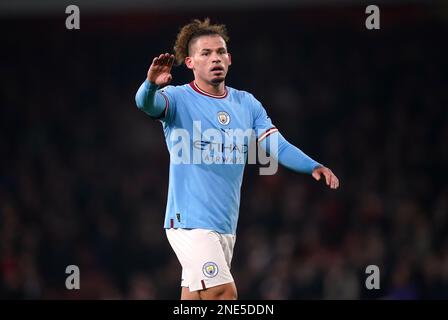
pixel 205 256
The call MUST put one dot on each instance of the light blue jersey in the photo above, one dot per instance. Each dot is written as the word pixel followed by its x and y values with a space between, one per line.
pixel 206 167
pixel 207 195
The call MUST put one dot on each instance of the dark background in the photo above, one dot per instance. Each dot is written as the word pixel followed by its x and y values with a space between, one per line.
pixel 84 173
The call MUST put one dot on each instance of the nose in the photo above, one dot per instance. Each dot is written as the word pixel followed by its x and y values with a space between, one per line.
pixel 215 57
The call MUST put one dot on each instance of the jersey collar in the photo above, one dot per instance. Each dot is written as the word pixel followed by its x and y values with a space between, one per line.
pixel 197 89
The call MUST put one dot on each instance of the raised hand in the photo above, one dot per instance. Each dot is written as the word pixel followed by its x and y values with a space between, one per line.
pixel 160 70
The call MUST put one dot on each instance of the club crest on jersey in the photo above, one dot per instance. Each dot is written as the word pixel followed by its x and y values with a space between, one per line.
pixel 223 118
pixel 210 269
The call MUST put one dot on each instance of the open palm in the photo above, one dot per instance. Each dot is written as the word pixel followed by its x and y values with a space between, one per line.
pixel 160 70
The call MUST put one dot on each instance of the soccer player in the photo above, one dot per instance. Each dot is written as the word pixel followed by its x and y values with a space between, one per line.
pixel 204 193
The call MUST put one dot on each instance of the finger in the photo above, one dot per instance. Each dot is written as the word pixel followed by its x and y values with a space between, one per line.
pixel 171 61
pixel 166 58
pixel 327 177
pixel 336 182
pixel 168 78
pixel 316 175
pixel 161 59
pixel 333 182
pixel 155 61
pixel 166 61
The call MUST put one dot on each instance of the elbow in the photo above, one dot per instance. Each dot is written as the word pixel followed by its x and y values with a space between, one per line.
pixel 139 102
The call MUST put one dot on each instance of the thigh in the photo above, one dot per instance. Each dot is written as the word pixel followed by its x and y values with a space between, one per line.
pixel 225 291
pixel 186 294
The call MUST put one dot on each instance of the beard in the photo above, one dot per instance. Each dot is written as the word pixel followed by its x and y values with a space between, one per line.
pixel 217 80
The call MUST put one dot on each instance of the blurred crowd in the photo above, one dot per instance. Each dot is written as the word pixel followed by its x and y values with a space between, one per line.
pixel 84 173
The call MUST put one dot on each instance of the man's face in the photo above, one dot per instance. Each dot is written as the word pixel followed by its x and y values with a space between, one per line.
pixel 209 59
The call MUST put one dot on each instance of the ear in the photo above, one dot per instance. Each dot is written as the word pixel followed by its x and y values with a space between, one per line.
pixel 230 58
pixel 189 62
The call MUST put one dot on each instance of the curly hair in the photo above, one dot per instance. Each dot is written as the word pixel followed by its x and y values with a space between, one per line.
pixel 192 31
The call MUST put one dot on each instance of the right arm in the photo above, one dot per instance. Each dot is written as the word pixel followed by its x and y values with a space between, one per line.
pixel 148 99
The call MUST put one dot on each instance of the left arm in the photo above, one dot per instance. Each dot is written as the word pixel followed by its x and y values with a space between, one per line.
pixel 296 160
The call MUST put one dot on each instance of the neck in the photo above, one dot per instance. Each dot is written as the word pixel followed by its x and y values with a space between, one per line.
pixel 218 89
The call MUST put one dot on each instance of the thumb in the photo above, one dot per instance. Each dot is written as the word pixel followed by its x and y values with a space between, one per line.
pixel 168 78
pixel 316 175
